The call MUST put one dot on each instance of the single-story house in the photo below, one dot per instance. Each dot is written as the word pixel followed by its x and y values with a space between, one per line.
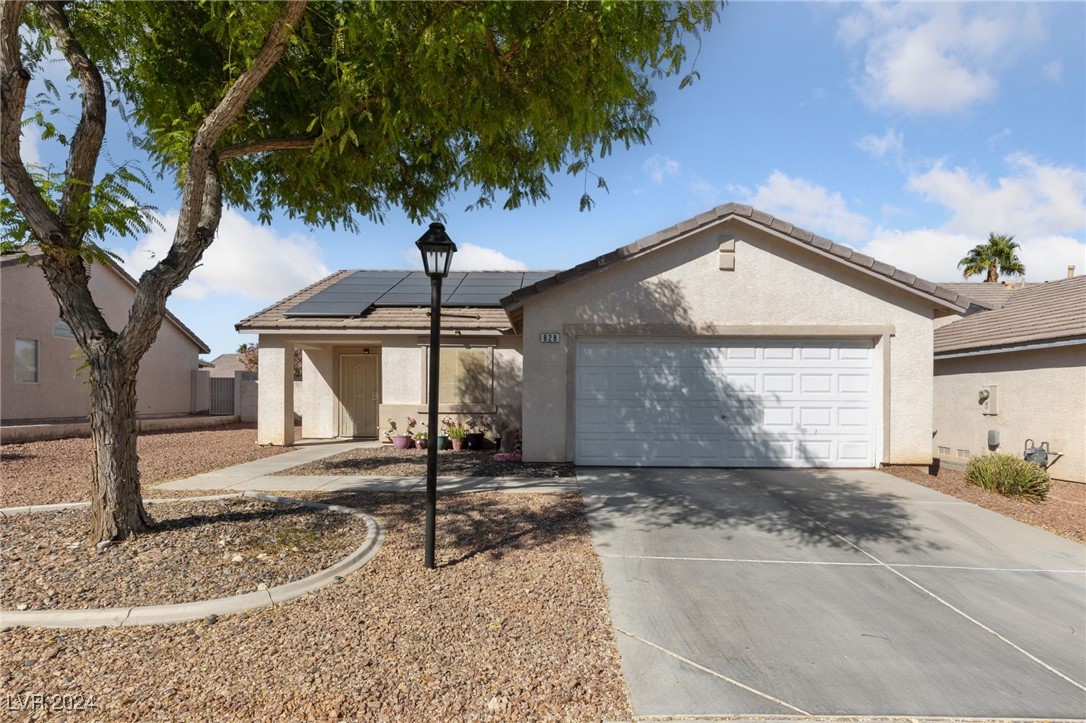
pixel 731 339
pixel 39 374
pixel 1015 375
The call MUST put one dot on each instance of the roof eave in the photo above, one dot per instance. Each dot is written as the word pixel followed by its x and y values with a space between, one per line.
pixel 1031 345
pixel 755 219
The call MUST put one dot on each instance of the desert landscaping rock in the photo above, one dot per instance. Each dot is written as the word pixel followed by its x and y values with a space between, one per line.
pixel 513 625
pixel 1062 512
pixel 38 473
pixel 200 551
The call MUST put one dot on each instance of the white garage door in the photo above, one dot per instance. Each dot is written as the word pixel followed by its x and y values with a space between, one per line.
pixel 725 403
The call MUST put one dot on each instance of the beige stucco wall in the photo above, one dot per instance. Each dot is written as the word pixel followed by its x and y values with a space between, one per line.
pixel 401 393
pixel 775 285
pixel 164 384
pixel 1041 395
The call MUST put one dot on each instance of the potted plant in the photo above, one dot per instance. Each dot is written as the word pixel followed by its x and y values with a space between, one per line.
pixel 400 440
pixel 457 431
pixel 493 430
pixel 422 440
pixel 473 438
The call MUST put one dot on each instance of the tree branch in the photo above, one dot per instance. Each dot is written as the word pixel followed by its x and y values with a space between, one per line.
pixel 301 143
pixel 87 141
pixel 62 265
pixel 14 80
pixel 201 202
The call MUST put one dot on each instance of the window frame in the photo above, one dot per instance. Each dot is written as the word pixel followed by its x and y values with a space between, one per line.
pixel 37 360
pixel 446 405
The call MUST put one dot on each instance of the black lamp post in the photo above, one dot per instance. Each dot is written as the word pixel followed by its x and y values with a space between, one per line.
pixel 437 252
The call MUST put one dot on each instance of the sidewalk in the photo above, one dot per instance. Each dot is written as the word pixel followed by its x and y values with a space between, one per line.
pixel 259 475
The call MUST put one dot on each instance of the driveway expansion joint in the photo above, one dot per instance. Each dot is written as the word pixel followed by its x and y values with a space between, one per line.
pixel 184 612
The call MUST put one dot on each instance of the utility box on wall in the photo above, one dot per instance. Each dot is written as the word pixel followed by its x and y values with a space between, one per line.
pixel 989 400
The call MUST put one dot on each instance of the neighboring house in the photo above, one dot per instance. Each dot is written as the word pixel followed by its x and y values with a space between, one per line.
pixel 1016 371
pixel 731 339
pixel 224 365
pixel 40 377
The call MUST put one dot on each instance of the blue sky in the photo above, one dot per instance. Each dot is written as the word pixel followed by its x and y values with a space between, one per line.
pixel 907 131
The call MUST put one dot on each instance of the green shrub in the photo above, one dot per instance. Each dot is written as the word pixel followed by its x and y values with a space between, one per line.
pixel 1009 475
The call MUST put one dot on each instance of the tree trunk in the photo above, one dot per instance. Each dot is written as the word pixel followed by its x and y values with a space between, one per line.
pixel 117 510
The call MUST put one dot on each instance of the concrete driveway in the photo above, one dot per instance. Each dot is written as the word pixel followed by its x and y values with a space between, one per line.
pixel 833 593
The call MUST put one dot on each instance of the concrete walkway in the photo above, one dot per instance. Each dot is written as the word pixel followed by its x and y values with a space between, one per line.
pixel 260 475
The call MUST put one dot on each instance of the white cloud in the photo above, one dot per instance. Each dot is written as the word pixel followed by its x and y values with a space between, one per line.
pixel 891 143
pixel 1053 71
pixel 937 58
pixel 996 138
pixel 1042 205
pixel 933 254
pixel 660 167
pixel 808 205
pixel 28 147
pixel 1034 198
pixel 471 257
pixel 246 259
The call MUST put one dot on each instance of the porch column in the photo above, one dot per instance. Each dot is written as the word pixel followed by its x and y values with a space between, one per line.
pixel 275 400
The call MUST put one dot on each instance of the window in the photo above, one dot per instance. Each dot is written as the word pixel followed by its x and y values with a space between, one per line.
pixel 62 330
pixel 464 376
pixel 26 360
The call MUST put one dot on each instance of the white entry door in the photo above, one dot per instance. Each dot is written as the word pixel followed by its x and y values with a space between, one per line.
pixel 358 395
pixel 725 402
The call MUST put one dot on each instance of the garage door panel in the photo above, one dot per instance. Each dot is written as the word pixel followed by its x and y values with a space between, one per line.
pixel 739 402
pixel 854 384
pixel 816 383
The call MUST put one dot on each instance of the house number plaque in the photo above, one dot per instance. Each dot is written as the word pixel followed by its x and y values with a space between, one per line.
pixel 550 337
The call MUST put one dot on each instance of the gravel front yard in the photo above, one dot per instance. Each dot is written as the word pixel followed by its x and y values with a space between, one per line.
pixel 1062 512
pixel 513 625
pixel 202 550
pixel 388 462
pixel 58 470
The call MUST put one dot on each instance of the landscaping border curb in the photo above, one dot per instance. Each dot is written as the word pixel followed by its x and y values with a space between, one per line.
pixel 183 612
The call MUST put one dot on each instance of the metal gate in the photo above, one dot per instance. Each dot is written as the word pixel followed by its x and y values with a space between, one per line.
pixel 222 395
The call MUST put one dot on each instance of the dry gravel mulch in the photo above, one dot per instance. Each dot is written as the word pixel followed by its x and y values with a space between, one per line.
pixel 1062 512
pixel 513 625
pixel 388 462
pixel 200 551
pixel 58 470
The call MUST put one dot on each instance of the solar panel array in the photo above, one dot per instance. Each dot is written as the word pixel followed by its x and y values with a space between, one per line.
pixel 354 295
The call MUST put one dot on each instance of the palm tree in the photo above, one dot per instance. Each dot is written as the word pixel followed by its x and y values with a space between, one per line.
pixel 993 258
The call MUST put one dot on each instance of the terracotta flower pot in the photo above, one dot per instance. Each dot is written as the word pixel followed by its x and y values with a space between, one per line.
pixel 457 444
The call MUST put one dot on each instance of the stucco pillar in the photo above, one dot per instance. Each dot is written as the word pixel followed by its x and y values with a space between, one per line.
pixel 318 399
pixel 275 414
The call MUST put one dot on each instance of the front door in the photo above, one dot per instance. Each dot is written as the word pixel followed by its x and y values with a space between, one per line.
pixel 358 381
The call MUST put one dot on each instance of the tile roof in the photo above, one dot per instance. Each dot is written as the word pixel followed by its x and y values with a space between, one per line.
pixel 376 320
pixel 1046 312
pixel 947 297
pixel 992 296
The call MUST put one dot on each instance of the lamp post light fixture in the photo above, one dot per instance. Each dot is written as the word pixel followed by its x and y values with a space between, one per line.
pixel 437 252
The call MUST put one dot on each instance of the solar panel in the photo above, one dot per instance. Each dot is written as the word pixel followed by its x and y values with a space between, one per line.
pixel 353 295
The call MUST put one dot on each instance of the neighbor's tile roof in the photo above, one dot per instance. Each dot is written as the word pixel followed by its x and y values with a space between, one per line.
pixel 1042 312
pixel 992 296
pixel 376 319
pixel 719 214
